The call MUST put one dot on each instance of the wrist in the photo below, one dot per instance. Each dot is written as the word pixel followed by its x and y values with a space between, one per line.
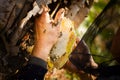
pixel 41 51
pixel 44 43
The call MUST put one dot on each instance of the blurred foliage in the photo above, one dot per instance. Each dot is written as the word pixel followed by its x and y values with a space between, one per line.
pixel 95 10
pixel 100 46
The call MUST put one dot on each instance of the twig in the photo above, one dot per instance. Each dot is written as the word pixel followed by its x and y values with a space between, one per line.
pixel 55 9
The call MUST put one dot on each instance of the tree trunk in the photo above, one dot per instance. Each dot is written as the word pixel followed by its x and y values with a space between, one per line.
pixel 11 36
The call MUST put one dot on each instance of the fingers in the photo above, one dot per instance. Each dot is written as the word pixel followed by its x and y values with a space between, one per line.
pixel 59 15
pixel 44 24
pixel 57 20
pixel 44 17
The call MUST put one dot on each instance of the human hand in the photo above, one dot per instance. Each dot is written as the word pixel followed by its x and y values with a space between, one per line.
pixel 47 32
pixel 80 59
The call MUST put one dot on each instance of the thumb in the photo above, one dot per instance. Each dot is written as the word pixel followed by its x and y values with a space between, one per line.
pixel 59 15
pixel 57 20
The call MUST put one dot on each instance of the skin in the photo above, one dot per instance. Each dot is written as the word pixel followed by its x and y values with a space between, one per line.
pixel 46 34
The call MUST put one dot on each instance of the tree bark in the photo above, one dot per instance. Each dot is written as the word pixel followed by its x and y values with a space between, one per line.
pixel 12 12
